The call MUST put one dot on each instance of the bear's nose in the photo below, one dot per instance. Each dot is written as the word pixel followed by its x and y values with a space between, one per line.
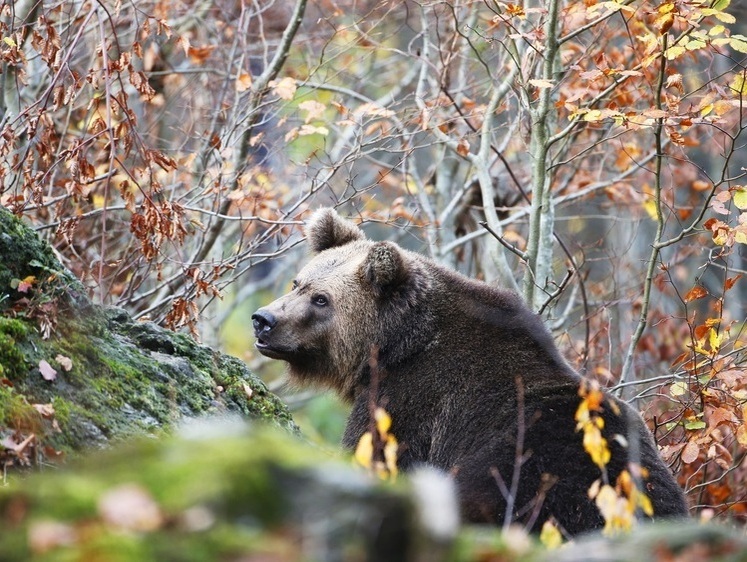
pixel 263 321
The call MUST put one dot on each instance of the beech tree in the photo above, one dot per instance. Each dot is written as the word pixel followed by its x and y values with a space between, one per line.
pixel 587 155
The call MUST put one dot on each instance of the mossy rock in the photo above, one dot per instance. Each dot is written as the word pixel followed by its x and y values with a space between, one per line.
pixel 74 375
pixel 216 491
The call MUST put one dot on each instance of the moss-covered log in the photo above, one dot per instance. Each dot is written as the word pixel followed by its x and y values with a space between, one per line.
pixel 75 375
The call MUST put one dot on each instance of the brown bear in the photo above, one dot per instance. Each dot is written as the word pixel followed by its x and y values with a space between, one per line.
pixel 471 378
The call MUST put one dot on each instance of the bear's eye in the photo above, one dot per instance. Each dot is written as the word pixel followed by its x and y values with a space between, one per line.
pixel 295 285
pixel 320 300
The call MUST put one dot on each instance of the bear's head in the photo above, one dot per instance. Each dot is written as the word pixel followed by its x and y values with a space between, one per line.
pixel 354 298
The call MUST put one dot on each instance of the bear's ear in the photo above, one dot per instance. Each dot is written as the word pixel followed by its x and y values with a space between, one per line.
pixel 385 267
pixel 326 229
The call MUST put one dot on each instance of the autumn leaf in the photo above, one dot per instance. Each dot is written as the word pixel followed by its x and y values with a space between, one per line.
pixel 199 55
pixel 306 130
pixel 285 89
pixel 364 450
pixel 314 110
pixel 463 148
pixel 596 445
pixel 690 453
pixel 550 536
pixel 742 435
pixel 541 84
pixel 65 362
pixel 697 292
pixel 739 196
pixel 730 281
pixel 243 82
pixel 390 457
pixel 25 285
pixel 45 535
pixel 679 388
pixel 700 185
pixel 383 421
pixel 46 370
pixel 130 507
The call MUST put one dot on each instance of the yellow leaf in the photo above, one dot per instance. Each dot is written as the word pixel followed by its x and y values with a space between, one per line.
pixel 596 445
pixel 644 502
pixel 383 421
pixel 726 18
pixel 742 435
pixel 550 535
pixel 612 508
pixel 674 51
pixel 649 205
pixel 740 198
pixel 9 41
pixel 715 340
pixel 720 236
pixel 390 456
pixel 364 450
pixel 738 43
pixel 678 389
pixel 664 22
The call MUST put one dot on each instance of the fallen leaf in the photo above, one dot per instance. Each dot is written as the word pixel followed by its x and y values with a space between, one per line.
pixel 130 507
pixel 26 284
pixel 46 410
pixel 47 371
pixel 65 362
pixel 44 536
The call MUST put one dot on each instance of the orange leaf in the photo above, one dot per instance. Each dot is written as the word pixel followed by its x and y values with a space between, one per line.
pixel 721 415
pixel 463 148
pixel 697 292
pixel 729 283
pixel 701 331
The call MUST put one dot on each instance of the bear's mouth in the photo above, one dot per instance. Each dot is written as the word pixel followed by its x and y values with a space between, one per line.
pixel 269 351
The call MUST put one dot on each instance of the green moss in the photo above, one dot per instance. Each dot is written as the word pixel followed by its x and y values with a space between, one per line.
pixel 16 413
pixel 62 411
pixel 115 377
pixel 12 362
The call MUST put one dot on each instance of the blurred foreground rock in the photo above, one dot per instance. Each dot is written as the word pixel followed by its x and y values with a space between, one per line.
pixel 221 491
pixel 74 375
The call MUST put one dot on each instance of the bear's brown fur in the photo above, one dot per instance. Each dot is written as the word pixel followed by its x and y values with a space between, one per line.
pixel 459 361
